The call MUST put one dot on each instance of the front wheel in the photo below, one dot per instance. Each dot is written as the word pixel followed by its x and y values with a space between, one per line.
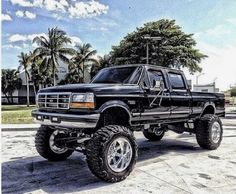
pixel 49 146
pixel 209 132
pixel 112 153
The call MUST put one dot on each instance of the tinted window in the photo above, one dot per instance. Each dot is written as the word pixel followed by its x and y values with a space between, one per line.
pixel 154 76
pixel 176 81
pixel 115 75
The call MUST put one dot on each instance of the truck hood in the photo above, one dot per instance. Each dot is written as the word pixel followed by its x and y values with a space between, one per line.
pixel 95 88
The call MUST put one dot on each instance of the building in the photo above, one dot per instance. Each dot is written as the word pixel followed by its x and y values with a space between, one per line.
pixel 206 88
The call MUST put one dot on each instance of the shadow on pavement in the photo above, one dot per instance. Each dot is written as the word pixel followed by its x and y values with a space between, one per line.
pixel 29 174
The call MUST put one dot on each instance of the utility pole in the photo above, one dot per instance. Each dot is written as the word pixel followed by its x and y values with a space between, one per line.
pixel 147 53
pixel 198 77
pixel 148 37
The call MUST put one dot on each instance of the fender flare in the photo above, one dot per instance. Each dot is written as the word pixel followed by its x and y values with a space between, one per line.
pixel 208 104
pixel 116 103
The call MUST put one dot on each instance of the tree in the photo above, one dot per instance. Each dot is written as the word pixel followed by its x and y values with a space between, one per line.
pixel 52 48
pixel 233 91
pixel 103 62
pixel 41 74
pixel 174 49
pixel 10 83
pixel 71 78
pixel 25 64
pixel 83 55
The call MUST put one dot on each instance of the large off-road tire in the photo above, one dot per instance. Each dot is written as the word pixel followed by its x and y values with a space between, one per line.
pixel 103 151
pixel 44 144
pixel 209 131
pixel 153 136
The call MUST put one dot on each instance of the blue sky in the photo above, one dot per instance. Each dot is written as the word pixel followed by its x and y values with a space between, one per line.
pixel 104 23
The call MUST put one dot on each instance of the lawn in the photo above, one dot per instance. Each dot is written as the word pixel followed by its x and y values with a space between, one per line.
pixel 16 114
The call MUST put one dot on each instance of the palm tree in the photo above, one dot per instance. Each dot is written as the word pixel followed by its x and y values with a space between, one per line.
pixel 25 64
pixel 104 61
pixel 10 83
pixel 83 55
pixel 52 48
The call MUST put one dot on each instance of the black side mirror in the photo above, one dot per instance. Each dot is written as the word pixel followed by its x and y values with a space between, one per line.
pixel 158 85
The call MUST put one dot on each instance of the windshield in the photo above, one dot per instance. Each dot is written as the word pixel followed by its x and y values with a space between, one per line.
pixel 121 75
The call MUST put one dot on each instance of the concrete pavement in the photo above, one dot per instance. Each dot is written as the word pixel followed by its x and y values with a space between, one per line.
pixel 174 165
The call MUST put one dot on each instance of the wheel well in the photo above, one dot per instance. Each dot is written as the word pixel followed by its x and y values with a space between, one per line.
pixel 114 116
pixel 208 110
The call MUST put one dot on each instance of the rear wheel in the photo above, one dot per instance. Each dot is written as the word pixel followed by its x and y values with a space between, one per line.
pixel 49 146
pixel 209 131
pixel 112 153
pixel 155 135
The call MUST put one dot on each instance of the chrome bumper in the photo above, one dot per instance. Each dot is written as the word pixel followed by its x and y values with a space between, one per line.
pixel 65 120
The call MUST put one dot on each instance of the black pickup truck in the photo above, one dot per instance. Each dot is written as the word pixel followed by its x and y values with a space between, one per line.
pixel 99 118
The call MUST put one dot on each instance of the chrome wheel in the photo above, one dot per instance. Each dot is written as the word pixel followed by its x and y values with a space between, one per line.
pixel 52 142
pixel 158 132
pixel 119 154
pixel 215 132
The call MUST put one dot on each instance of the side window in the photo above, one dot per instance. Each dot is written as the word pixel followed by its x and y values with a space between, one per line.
pixel 154 76
pixel 176 81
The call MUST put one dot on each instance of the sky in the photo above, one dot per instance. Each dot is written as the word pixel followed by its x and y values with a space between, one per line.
pixel 104 23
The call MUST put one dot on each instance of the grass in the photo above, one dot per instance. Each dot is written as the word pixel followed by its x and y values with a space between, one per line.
pixel 16 114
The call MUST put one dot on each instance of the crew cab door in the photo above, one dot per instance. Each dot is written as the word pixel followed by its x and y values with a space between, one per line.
pixel 180 96
pixel 155 104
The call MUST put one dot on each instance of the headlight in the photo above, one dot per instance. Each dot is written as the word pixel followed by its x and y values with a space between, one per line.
pixel 82 100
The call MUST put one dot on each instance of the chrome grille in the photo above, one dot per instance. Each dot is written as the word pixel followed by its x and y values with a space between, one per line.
pixel 54 100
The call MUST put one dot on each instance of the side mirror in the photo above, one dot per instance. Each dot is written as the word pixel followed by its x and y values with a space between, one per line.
pixel 159 85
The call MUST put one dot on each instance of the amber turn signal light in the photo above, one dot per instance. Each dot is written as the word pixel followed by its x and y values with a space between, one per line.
pixel 82 105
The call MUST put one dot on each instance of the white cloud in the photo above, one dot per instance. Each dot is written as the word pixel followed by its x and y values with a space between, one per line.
pixel 75 9
pixel 23 38
pixel 64 3
pixel 104 29
pixel 218 31
pixel 87 9
pixel 219 65
pixel 17 37
pixel 20 14
pixel 23 3
pixel 26 40
pixel 51 5
pixel 11 46
pixel 54 5
pixel 6 17
pixel 75 40
pixel 30 15
pixel 57 16
pixel 232 21
pixel 25 14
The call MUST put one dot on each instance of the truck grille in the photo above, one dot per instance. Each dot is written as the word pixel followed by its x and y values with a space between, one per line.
pixel 54 101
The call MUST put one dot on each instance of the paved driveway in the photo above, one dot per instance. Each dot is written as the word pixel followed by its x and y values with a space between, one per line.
pixel 174 165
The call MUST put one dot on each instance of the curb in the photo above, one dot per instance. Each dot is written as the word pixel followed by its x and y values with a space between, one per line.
pixel 19 127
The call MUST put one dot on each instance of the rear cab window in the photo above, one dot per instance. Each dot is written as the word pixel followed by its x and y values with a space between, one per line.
pixel 176 81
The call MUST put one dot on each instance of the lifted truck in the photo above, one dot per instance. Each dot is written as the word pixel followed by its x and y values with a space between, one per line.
pixel 99 118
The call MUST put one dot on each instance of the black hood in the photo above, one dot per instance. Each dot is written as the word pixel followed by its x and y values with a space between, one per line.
pixel 95 88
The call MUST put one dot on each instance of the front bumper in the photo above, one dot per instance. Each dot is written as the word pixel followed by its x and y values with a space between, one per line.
pixel 65 120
